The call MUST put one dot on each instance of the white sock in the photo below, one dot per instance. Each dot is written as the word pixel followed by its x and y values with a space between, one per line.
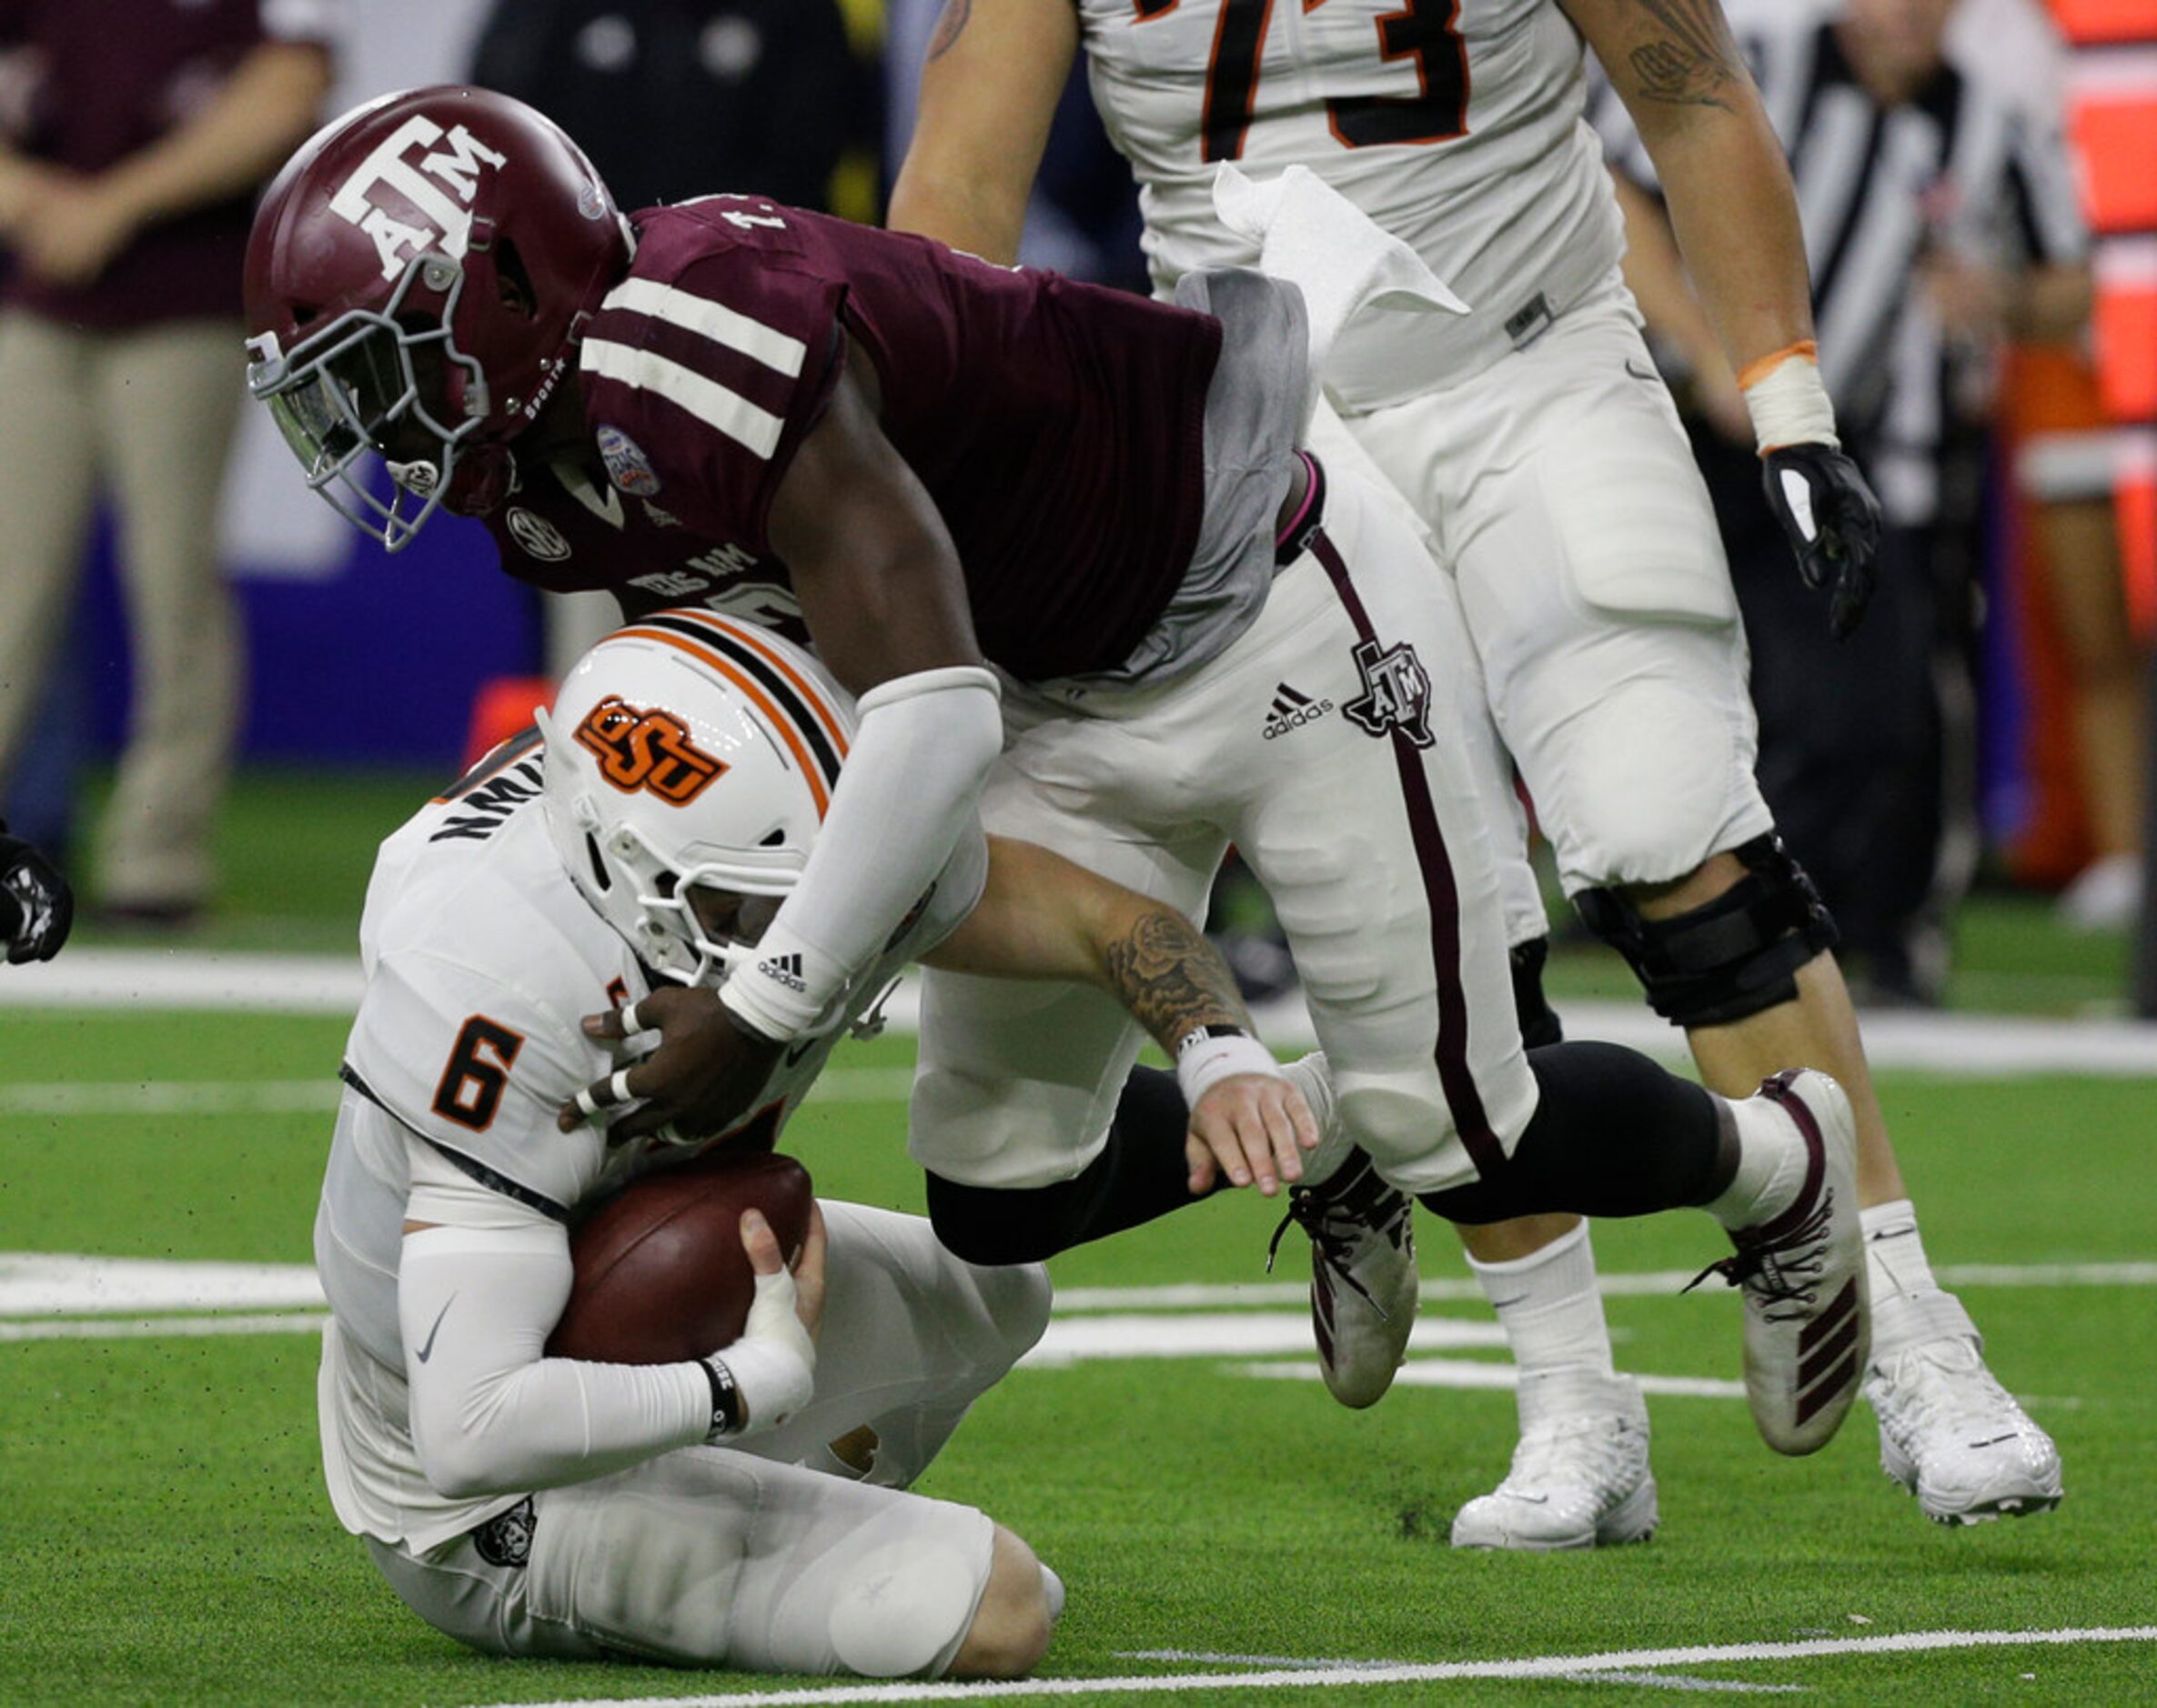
pixel 1550 1306
pixel 1771 1160
pixel 1895 1252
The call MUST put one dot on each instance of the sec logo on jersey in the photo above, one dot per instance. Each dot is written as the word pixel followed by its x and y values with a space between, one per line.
pixel 539 536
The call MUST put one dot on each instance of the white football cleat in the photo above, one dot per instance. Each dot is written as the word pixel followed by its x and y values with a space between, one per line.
pixel 1949 1433
pixel 1580 1477
pixel 1808 1324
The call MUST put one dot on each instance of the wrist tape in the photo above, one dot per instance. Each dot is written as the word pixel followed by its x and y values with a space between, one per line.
pixel 772 1369
pixel 1212 1053
pixel 1787 401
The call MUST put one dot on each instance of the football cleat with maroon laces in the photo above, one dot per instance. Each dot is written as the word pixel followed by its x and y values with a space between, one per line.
pixel 1363 1276
pixel 1801 1263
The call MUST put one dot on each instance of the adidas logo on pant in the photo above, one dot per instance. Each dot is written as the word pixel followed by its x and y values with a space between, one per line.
pixel 1292 710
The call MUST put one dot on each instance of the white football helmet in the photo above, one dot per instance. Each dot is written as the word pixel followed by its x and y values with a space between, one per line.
pixel 685 749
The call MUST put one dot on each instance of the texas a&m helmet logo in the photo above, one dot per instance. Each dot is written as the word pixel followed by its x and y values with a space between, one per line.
pixel 647 749
pixel 432 185
pixel 1395 692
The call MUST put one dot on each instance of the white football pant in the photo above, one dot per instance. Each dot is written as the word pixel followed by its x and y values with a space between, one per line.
pixel 1561 493
pixel 1327 744
pixel 773 1555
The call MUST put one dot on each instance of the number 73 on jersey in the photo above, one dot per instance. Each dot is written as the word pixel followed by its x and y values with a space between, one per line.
pixel 1424 32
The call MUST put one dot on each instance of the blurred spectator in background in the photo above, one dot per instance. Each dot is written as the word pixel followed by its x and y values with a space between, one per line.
pixel 2066 572
pixel 1941 217
pixel 36 905
pixel 134 134
pixel 677 98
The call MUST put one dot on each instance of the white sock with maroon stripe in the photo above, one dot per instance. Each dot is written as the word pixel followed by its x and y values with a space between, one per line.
pixel 1550 1306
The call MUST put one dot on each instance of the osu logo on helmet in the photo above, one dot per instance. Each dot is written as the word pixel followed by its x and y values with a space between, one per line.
pixel 647 749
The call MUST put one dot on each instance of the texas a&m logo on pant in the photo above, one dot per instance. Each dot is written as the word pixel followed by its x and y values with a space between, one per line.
pixel 647 749
pixel 1395 692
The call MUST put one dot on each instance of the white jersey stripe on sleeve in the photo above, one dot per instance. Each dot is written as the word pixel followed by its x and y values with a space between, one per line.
pixel 712 320
pixel 710 402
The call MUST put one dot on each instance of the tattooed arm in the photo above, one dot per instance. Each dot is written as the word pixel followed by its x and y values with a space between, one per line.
pixel 990 84
pixel 1041 917
pixel 1726 183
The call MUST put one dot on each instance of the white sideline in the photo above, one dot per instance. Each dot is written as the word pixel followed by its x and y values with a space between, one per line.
pixel 1986 1045
pixel 1308 1677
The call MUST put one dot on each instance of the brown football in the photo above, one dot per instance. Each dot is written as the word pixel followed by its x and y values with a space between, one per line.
pixel 661 1273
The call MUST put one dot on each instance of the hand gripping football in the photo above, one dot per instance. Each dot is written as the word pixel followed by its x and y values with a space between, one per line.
pixel 661 1276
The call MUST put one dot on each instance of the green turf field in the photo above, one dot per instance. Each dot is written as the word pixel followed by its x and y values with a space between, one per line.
pixel 166 1539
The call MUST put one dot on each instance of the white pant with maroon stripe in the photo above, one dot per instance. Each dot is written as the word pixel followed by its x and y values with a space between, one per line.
pixel 1327 744
pixel 1574 524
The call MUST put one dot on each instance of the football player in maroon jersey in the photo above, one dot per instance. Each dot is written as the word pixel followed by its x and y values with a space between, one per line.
pixel 1064 545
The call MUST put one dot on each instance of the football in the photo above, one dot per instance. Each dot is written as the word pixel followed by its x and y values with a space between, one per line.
pixel 661 1273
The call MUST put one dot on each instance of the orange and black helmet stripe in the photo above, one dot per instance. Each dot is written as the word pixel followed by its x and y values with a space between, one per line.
pixel 810 729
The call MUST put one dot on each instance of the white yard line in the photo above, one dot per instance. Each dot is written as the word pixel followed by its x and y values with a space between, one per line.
pixel 187 979
pixel 1306 1676
pixel 1192 1322
pixel 161 1328
pixel 1987 1045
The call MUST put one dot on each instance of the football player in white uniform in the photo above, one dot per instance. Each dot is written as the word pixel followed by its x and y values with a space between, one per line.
pixel 747 1508
pixel 1543 453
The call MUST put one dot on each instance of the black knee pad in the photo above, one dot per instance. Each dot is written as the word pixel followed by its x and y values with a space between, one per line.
pixel 1731 958
pixel 1538 1020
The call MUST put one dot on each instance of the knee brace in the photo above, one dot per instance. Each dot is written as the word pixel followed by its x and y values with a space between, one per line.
pixel 1730 958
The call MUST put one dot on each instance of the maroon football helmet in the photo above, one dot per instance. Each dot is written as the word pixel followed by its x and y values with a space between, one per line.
pixel 417 281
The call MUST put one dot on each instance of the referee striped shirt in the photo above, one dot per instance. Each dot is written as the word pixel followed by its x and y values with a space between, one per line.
pixel 1976 165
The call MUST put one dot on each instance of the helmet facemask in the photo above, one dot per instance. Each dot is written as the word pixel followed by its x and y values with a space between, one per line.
pixel 650 900
pixel 377 386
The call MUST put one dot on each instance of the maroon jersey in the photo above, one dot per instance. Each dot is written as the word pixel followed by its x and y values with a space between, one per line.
pixel 106 79
pixel 1058 427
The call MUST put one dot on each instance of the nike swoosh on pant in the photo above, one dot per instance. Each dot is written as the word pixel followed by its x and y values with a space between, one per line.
pixel 427 1351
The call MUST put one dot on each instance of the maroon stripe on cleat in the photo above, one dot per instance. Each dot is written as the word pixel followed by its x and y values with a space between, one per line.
pixel 1809 1368
pixel 1842 1377
pixel 1829 1319
pixel 1778 1090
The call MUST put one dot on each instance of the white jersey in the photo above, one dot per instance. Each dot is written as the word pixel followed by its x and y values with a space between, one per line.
pixel 480 959
pixel 1457 128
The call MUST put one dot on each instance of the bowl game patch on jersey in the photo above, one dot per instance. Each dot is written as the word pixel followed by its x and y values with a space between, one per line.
pixel 627 465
